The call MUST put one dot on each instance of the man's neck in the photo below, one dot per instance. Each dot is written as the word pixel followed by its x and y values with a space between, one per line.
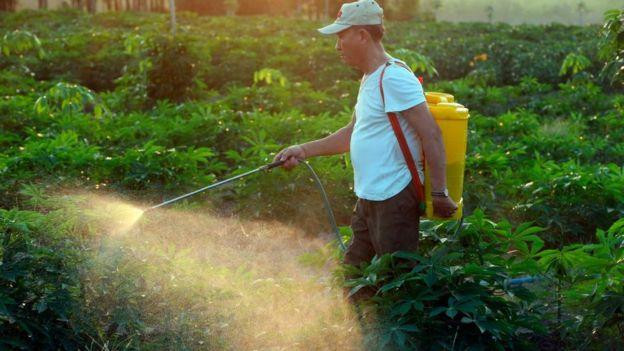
pixel 375 57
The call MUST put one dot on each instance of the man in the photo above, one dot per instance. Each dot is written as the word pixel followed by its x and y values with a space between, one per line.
pixel 386 215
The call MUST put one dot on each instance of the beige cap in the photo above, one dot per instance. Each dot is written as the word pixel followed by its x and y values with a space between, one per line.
pixel 362 12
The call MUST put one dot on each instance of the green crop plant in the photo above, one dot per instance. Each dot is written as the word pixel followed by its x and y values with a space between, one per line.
pixel 455 292
pixel 268 75
pixel 14 45
pixel 19 42
pixel 574 64
pixel 417 62
pixel 612 46
pixel 68 99
pixel 39 284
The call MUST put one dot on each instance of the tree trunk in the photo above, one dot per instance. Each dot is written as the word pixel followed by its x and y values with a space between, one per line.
pixel 318 8
pixel 91 6
pixel 172 11
pixel 7 5
pixel 298 8
pixel 326 9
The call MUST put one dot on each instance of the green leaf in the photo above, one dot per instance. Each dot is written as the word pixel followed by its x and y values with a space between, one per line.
pixel 451 312
pixel 466 320
pixel 409 328
pixel 430 278
pixel 356 289
pixel 392 285
pixel 437 310
pixel 403 308
pixel 41 306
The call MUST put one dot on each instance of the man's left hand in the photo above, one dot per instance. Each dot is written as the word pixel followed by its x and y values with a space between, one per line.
pixel 443 207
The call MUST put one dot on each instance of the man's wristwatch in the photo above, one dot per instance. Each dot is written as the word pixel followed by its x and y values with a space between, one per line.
pixel 443 193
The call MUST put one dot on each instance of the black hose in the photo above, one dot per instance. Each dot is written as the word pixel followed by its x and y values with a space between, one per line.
pixel 330 213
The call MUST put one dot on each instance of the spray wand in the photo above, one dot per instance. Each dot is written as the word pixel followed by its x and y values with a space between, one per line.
pixel 218 184
pixel 267 167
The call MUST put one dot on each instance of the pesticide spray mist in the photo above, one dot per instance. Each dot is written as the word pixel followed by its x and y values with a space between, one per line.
pixel 213 278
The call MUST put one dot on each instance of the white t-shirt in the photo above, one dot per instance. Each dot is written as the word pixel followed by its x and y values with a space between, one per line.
pixel 379 168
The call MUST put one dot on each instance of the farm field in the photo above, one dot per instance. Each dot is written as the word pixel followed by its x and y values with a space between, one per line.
pixel 103 115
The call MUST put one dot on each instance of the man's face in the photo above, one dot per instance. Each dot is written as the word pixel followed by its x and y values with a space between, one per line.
pixel 350 44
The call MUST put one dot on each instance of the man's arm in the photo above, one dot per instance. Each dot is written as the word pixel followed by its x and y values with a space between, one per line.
pixel 430 135
pixel 335 143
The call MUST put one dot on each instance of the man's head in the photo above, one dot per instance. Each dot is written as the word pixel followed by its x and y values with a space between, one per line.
pixel 359 26
pixel 354 43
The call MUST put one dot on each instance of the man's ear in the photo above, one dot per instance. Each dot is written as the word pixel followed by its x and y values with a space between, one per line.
pixel 363 35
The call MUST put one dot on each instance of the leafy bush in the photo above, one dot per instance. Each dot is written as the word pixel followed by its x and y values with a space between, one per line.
pixel 172 71
pixel 162 68
pixel 612 46
pixel 64 287
pixel 39 284
pixel 455 293
pixel 587 281
pixel 574 64
pixel 68 99
pixel 239 48
pixel 557 195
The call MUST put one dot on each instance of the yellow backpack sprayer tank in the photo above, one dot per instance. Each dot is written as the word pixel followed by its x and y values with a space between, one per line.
pixel 452 118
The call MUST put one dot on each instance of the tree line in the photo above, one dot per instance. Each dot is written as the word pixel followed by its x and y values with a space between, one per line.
pixel 313 9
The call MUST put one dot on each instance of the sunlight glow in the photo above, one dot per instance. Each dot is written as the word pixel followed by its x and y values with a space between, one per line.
pixel 112 215
pixel 243 281
pixel 123 215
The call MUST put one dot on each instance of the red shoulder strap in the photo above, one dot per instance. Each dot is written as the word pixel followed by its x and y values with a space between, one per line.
pixel 407 154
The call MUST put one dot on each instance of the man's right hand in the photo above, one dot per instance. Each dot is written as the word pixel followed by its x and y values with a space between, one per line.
pixel 292 155
pixel 443 207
